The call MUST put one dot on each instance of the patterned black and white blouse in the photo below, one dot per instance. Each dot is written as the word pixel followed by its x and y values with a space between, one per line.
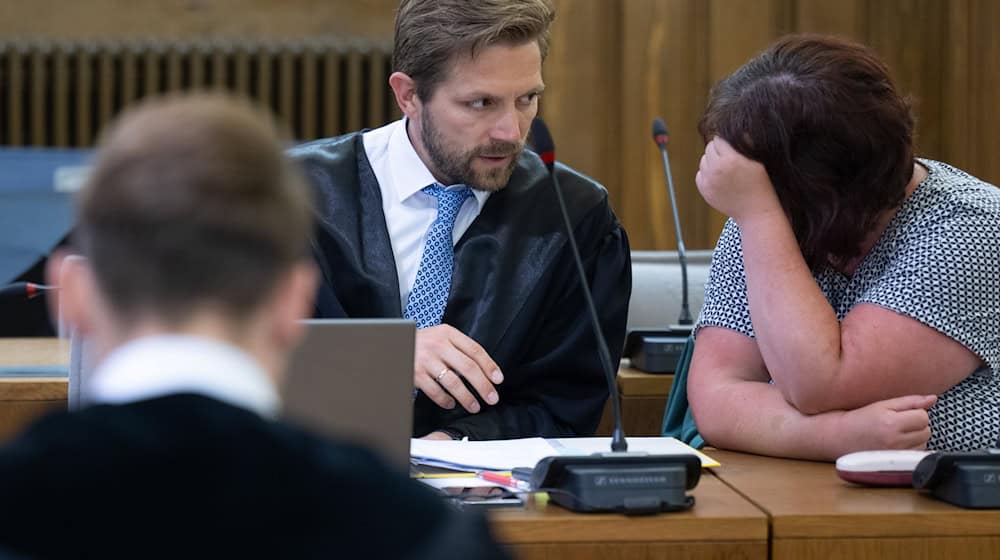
pixel 938 262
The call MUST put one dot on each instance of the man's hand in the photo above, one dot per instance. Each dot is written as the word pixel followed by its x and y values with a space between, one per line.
pixel 899 423
pixel 439 436
pixel 734 184
pixel 443 357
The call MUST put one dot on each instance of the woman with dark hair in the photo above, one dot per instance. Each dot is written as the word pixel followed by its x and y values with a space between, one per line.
pixel 853 301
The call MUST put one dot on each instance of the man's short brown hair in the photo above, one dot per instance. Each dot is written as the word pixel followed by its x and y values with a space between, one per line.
pixel 191 203
pixel 430 33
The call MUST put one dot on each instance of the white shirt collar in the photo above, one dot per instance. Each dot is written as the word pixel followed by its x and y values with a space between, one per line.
pixel 157 366
pixel 409 174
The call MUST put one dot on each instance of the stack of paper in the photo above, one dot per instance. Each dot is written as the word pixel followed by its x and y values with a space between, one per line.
pixel 496 455
pixel 507 454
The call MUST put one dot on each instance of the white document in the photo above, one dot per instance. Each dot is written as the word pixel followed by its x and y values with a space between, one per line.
pixel 494 455
pixel 507 454
pixel 463 482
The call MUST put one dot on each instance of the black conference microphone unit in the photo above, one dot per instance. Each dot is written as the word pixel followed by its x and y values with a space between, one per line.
pixel 966 479
pixel 23 290
pixel 658 351
pixel 617 481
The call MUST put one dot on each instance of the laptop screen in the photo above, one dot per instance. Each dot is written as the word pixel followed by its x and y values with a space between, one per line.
pixel 352 380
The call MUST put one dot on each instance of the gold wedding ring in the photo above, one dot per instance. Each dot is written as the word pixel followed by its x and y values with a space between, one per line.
pixel 440 375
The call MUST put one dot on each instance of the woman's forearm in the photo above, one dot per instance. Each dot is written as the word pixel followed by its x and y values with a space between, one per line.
pixel 755 417
pixel 795 327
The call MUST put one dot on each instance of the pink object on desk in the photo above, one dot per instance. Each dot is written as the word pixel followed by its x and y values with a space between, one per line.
pixel 880 468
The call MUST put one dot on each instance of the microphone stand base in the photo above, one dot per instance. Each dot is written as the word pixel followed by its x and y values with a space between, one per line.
pixel 632 484
pixel 656 351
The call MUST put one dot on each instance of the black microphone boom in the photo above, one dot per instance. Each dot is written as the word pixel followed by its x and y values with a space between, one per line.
pixel 661 137
pixel 631 483
pixel 23 290
pixel 546 148
pixel 658 351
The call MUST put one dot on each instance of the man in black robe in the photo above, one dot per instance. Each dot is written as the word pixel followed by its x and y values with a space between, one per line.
pixel 196 232
pixel 444 218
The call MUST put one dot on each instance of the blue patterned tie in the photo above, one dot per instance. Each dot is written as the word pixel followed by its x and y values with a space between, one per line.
pixel 430 289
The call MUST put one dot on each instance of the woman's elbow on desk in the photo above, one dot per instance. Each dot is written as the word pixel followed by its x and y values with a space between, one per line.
pixel 713 411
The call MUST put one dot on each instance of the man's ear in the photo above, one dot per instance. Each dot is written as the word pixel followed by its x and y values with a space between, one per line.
pixel 293 301
pixel 75 305
pixel 405 90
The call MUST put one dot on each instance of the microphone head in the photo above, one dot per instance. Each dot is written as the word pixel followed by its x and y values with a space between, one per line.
pixel 541 140
pixel 660 135
pixel 23 290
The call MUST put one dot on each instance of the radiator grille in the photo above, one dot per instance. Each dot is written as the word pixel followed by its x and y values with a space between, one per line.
pixel 61 93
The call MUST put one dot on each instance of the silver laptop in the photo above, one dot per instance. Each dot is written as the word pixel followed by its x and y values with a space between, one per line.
pixel 352 379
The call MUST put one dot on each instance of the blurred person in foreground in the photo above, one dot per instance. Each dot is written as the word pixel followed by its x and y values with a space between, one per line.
pixel 195 228
pixel 852 301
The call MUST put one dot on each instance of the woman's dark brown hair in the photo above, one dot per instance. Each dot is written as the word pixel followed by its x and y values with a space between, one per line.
pixel 823 117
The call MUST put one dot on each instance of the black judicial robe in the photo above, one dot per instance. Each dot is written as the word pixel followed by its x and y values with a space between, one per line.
pixel 187 476
pixel 514 289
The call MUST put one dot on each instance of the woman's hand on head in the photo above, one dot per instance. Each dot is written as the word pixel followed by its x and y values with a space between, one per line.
pixel 733 184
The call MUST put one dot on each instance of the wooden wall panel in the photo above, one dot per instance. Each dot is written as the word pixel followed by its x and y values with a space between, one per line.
pixel 617 64
pixel 956 128
pixel 910 36
pixel 945 54
pixel 984 93
pixel 582 100
pixel 663 59
pixel 971 116
pixel 92 19
pixel 846 18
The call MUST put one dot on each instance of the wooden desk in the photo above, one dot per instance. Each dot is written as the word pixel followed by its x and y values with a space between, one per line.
pixel 815 515
pixel 643 399
pixel 34 352
pixel 22 399
pixel 721 525
pixel 643 395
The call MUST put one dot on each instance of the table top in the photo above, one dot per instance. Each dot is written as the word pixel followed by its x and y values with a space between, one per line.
pixel 34 352
pixel 633 382
pixel 55 351
pixel 719 514
pixel 806 499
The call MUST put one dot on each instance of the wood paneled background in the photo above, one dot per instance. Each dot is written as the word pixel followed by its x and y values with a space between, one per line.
pixel 660 58
pixel 617 64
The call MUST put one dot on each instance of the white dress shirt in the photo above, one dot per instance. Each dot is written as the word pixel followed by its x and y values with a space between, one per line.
pixel 157 366
pixel 409 213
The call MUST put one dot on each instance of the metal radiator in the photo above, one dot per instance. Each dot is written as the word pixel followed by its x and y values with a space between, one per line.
pixel 60 94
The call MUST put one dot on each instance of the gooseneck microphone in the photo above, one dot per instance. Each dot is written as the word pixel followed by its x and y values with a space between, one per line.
pixel 546 148
pixel 661 137
pixel 23 290
pixel 660 350
pixel 619 481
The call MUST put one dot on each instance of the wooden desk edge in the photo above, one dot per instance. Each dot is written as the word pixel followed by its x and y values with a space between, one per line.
pixel 905 513
pixel 962 523
pixel 552 524
pixel 33 388
pixel 632 382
